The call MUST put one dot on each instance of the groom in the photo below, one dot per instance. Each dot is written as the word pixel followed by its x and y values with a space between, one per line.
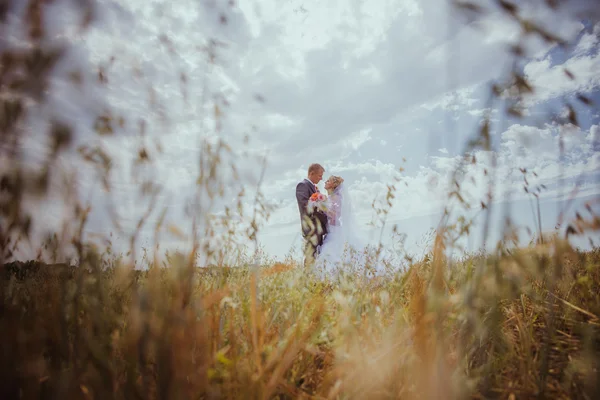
pixel 314 225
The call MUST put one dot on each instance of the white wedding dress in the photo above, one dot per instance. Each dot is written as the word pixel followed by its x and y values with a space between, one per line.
pixel 344 250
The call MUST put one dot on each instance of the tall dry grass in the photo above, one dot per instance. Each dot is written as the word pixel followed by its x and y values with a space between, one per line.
pixel 278 332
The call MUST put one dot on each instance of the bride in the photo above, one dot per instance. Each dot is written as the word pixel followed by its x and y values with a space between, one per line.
pixel 343 249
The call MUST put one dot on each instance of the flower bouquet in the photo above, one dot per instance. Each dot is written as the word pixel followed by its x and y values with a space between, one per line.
pixel 317 201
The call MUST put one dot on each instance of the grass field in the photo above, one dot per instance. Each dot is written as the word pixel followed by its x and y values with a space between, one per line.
pixel 520 325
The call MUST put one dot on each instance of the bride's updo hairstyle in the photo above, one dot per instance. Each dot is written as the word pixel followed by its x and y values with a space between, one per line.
pixel 335 182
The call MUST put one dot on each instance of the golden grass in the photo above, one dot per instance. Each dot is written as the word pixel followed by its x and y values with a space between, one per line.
pixel 277 332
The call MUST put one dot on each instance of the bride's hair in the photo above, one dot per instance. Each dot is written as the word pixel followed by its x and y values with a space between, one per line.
pixel 336 181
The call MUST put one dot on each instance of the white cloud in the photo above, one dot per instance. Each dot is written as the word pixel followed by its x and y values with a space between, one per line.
pixel 595 137
pixel 354 85
pixel 588 42
pixel 357 140
pixel 550 80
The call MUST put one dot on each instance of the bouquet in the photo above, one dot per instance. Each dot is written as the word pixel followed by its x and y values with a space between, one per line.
pixel 317 201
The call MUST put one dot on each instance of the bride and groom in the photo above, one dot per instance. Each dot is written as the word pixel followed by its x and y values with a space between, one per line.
pixel 328 226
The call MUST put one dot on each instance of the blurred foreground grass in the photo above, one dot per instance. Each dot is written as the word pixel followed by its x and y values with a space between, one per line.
pixel 485 327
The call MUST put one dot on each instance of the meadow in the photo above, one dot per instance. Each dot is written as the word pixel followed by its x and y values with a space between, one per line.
pixel 521 324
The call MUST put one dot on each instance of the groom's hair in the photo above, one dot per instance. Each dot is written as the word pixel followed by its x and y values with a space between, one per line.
pixel 315 168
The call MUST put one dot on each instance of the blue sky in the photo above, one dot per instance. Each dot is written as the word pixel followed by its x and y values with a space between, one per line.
pixel 363 87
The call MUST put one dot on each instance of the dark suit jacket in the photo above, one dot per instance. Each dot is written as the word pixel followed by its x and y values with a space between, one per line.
pixel 318 218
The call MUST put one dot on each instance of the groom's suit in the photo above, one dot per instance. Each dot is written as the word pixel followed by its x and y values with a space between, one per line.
pixel 314 226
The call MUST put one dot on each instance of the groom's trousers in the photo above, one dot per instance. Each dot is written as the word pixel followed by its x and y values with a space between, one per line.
pixel 314 229
pixel 312 247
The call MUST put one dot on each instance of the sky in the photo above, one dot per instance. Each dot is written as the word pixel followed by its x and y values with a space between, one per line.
pixel 373 90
